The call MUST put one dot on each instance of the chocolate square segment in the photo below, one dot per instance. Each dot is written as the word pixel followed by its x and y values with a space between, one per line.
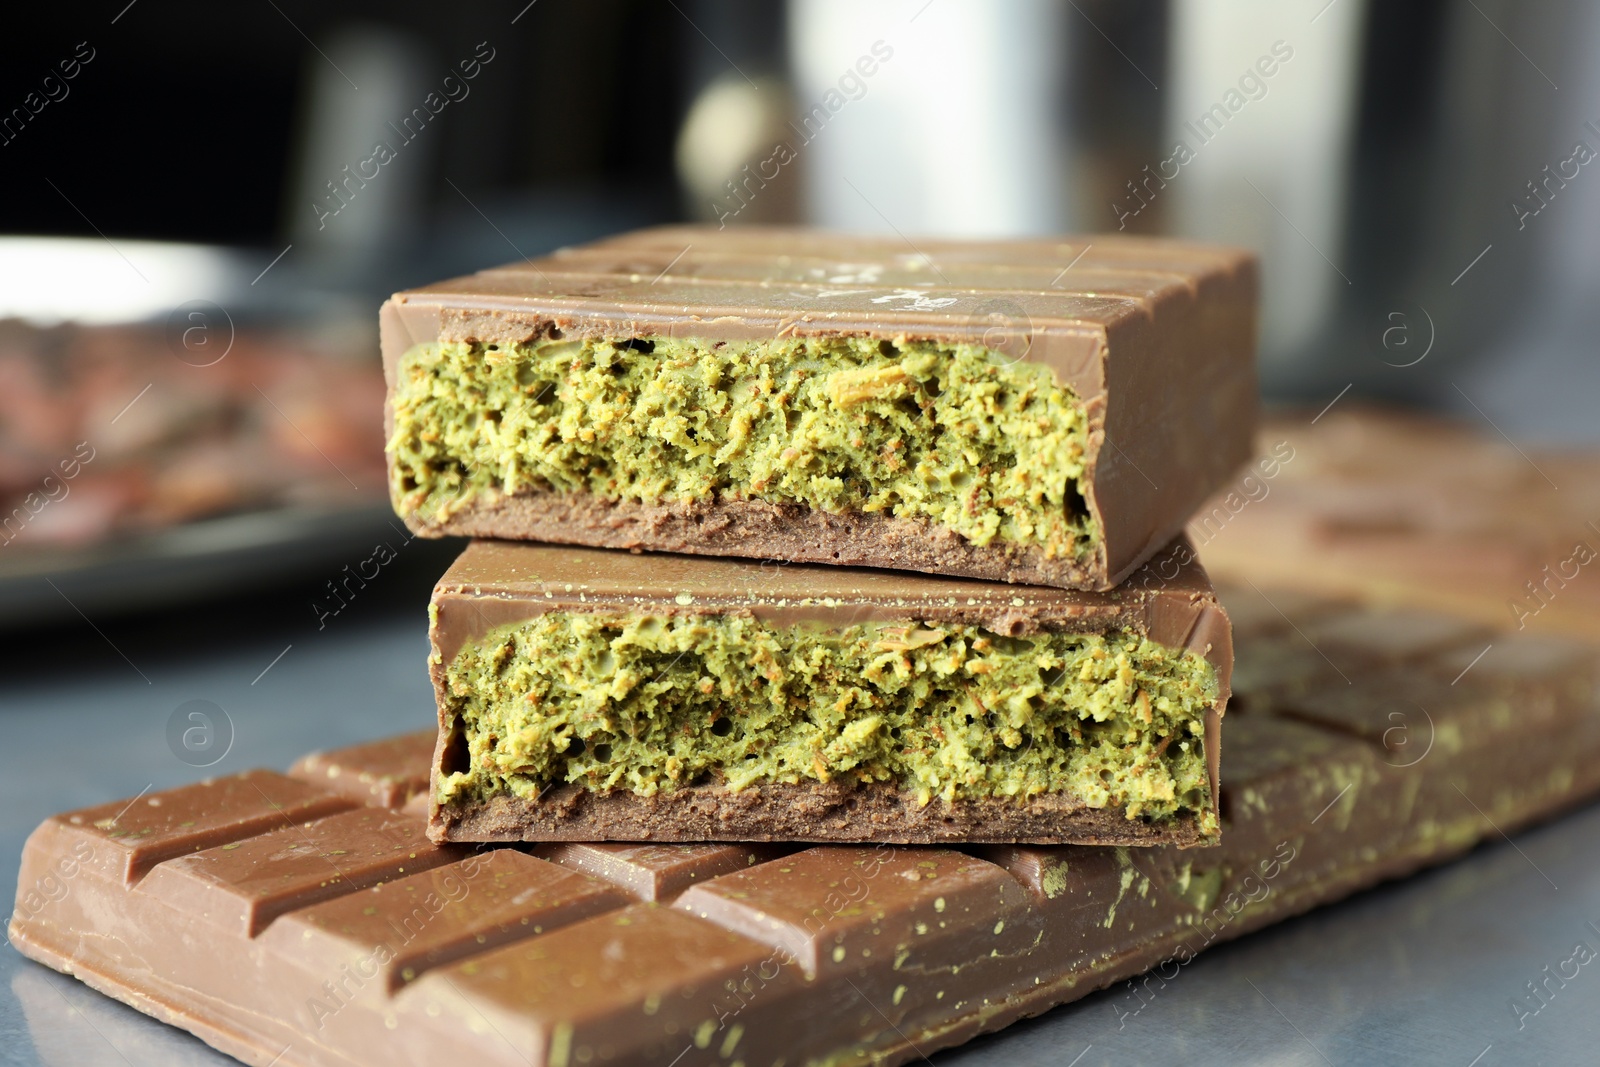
pixel 1044 412
pixel 587 695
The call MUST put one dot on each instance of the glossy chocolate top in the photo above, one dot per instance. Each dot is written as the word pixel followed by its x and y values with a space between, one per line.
pixel 1052 301
pixel 494 583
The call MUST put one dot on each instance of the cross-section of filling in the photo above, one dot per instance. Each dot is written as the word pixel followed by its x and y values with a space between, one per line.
pixel 650 703
pixel 955 435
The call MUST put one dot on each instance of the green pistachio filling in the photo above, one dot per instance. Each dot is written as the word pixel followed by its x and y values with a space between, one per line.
pixel 955 435
pixel 651 703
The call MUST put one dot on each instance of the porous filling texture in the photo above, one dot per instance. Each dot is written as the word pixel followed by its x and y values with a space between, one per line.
pixel 957 435
pixel 653 703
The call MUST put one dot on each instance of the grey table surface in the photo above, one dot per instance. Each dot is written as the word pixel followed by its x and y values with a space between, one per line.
pixel 1425 971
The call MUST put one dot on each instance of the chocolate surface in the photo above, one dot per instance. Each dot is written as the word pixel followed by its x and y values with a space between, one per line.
pixel 1433 511
pixel 496 583
pixel 1156 338
pixel 286 922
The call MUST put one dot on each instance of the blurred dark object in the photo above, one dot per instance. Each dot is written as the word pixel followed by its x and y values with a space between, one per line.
pixel 1116 118
pixel 1377 160
pixel 232 125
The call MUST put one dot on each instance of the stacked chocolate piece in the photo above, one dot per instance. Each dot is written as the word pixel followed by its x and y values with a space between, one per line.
pixel 684 448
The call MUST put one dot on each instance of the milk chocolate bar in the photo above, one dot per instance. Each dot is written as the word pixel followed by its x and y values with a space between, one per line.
pixel 290 920
pixel 586 694
pixel 1433 512
pixel 1047 412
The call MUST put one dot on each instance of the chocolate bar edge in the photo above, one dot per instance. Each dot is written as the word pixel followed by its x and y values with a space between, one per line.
pixel 781 811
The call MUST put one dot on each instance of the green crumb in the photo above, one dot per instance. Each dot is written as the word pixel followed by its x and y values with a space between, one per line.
pixel 652 703
pixel 955 435
pixel 1053 879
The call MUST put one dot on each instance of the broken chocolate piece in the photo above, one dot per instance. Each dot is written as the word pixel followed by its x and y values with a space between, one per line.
pixel 1048 412
pixel 589 695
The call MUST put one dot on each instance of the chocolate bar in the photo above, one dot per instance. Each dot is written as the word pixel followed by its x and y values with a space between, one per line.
pixel 1424 508
pixel 295 920
pixel 592 695
pixel 1047 412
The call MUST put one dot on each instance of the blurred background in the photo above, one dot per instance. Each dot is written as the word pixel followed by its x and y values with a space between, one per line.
pixel 201 206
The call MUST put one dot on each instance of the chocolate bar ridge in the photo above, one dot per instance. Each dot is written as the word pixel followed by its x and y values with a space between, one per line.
pixel 496 585
pixel 1154 338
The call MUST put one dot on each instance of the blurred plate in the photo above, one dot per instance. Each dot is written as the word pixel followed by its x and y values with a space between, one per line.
pixel 189 562
pixel 98 282
pixel 47 281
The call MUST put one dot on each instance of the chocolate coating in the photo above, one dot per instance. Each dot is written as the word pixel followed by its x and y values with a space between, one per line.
pixel 494 583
